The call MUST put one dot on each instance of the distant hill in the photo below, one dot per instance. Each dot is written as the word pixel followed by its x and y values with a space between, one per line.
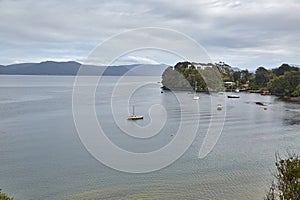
pixel 71 68
pixel 43 68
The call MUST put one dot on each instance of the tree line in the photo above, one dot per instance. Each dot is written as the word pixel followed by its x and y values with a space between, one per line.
pixel 284 80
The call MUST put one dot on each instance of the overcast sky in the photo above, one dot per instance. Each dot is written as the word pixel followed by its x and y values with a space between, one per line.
pixel 245 33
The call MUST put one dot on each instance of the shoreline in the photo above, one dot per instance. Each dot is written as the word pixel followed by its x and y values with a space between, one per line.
pixel 291 99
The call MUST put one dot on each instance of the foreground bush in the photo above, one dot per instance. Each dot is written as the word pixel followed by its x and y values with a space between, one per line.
pixel 287 184
pixel 3 196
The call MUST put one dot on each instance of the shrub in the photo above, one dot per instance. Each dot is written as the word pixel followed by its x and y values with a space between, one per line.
pixel 287 185
pixel 3 196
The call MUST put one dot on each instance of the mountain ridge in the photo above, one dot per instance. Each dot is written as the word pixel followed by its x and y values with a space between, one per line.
pixel 71 68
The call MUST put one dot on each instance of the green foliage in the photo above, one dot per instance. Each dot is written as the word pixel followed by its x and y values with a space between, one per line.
pixel 185 76
pixel 271 195
pixel 245 76
pixel 296 93
pixel 283 80
pixel 4 196
pixel 284 68
pixel 262 77
pixel 236 76
pixel 287 179
pixel 212 78
pixel 175 80
pixel 279 85
pixel 183 65
pixel 286 84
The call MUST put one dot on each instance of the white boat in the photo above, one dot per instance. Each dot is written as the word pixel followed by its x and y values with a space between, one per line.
pixel 237 90
pixel 135 117
pixel 196 97
pixel 219 107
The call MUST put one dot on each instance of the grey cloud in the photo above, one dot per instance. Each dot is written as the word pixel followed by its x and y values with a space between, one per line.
pixel 228 29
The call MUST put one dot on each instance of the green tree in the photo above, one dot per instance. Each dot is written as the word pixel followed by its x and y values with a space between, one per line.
pixel 287 185
pixel 279 86
pixel 236 76
pixel 285 84
pixel 185 76
pixel 184 65
pixel 212 78
pixel 296 93
pixel 262 77
pixel 4 196
pixel 181 78
pixel 245 76
pixel 174 80
pixel 284 68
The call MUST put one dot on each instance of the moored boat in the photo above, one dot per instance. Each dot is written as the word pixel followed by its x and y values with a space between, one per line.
pixel 135 117
pixel 266 93
pixel 233 96
pixel 259 103
pixel 196 97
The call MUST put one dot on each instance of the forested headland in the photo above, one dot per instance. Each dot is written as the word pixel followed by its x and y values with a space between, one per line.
pixel 282 81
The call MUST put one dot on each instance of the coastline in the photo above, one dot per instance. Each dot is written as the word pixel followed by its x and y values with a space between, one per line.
pixel 291 99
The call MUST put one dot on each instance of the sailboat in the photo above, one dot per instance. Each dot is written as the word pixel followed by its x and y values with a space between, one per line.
pixel 237 90
pixel 196 97
pixel 135 117
pixel 234 96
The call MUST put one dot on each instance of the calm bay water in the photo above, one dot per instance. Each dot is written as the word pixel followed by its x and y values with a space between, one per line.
pixel 42 157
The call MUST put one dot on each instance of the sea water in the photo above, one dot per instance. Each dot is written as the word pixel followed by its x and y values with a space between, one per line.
pixel 42 156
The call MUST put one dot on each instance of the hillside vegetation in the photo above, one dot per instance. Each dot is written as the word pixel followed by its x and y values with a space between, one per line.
pixel 287 183
pixel 283 81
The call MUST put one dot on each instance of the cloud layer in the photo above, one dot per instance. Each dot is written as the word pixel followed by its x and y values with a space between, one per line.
pixel 242 33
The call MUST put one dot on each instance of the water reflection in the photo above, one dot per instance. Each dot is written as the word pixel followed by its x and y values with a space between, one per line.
pixel 291 114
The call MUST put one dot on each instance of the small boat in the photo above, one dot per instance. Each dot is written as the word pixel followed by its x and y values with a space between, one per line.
pixel 196 97
pixel 220 93
pixel 259 103
pixel 265 93
pixel 135 117
pixel 219 107
pixel 237 90
pixel 233 96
